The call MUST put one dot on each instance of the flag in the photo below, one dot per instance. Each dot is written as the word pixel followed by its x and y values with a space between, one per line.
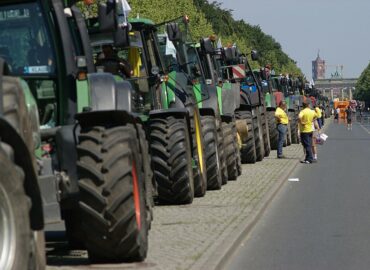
pixel 170 48
pixel 123 10
pixel 219 44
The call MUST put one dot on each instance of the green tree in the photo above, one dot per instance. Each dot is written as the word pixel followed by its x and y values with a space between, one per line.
pixel 208 18
pixel 363 85
pixel 164 10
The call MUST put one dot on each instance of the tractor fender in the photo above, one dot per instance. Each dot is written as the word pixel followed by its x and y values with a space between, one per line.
pixel 230 98
pixel 65 139
pixel 270 109
pixel 211 100
pixel 235 87
pixel 22 158
pixel 227 118
pixel 278 97
pixel 175 112
pixel 207 111
pixel 245 107
pixel 244 99
pixel 108 94
pixel 107 117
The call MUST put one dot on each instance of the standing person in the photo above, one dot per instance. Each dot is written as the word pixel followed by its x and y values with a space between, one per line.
pixel 306 118
pixel 282 121
pixel 336 114
pixel 323 115
pixel 315 134
pixel 348 112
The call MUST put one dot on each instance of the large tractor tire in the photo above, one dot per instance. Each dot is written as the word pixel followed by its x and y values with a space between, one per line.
pixel 112 194
pixel 294 127
pixel 20 247
pixel 230 151
pixel 214 174
pixel 222 153
pixel 248 150
pixel 200 168
pixel 171 160
pixel 258 135
pixel 266 136
pixel 274 134
pixel 237 146
pixel 150 185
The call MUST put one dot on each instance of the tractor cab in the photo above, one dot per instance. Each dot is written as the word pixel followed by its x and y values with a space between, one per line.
pixel 138 62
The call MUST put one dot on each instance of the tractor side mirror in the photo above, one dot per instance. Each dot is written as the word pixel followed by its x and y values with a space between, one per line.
pixel 173 32
pixel 106 17
pixel 254 55
pixel 121 37
pixel 206 45
pixel 230 54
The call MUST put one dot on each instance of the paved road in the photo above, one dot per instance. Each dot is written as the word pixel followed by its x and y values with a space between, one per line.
pixel 323 220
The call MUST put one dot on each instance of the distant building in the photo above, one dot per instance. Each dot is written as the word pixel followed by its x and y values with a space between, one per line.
pixel 318 68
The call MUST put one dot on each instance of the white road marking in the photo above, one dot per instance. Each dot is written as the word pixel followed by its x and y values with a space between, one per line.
pixel 293 179
pixel 364 128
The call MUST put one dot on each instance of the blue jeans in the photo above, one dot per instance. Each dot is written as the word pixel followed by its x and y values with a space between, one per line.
pixel 306 139
pixel 319 122
pixel 282 129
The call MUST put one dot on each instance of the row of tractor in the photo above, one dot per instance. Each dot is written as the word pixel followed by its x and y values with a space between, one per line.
pixel 100 120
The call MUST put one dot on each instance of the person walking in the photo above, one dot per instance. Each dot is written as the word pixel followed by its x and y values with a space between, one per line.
pixel 282 122
pixel 336 114
pixel 349 112
pixel 306 118
pixel 315 135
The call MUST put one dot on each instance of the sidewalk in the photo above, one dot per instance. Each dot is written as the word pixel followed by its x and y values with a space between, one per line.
pixel 202 235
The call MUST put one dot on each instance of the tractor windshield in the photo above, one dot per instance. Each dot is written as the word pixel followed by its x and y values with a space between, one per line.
pixel 24 41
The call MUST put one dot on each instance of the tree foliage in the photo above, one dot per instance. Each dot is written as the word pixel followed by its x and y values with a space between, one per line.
pixel 363 85
pixel 164 10
pixel 248 37
pixel 208 18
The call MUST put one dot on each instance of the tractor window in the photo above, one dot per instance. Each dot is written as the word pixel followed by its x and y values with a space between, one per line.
pixel 193 65
pixel 24 41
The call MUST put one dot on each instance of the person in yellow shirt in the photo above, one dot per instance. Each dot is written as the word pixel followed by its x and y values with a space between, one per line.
pixel 318 115
pixel 282 122
pixel 306 118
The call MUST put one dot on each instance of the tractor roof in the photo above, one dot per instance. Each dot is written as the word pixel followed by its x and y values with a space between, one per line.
pixel 142 21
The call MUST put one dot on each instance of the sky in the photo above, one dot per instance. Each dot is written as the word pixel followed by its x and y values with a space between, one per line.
pixel 340 29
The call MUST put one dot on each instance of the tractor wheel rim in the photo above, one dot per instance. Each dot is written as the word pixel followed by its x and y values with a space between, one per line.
pixel 136 193
pixel 199 142
pixel 7 232
pixel 239 139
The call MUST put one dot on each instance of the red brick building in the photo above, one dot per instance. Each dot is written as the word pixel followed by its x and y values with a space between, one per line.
pixel 318 68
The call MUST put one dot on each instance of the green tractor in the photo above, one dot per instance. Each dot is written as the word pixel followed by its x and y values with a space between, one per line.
pixel 235 72
pixel 288 89
pixel 184 54
pixel 226 97
pixel 170 116
pixel 93 169
pixel 21 215
pixel 271 98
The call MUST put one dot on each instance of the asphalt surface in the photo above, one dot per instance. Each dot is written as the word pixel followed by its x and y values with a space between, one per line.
pixel 321 221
